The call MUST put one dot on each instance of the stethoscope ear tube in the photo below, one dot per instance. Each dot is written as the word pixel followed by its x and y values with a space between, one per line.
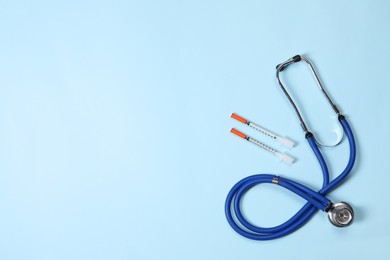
pixel 295 59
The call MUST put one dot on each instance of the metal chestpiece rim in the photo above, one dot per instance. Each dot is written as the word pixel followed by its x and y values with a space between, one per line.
pixel 341 214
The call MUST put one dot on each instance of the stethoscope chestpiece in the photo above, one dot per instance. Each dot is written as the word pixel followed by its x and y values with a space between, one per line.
pixel 341 214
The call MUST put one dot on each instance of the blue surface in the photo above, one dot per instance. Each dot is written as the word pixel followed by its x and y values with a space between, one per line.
pixel 114 126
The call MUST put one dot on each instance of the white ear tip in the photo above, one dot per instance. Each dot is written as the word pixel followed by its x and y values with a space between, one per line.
pixel 285 158
pixel 287 142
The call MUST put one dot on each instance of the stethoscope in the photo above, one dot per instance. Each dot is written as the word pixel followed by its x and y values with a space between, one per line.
pixel 340 214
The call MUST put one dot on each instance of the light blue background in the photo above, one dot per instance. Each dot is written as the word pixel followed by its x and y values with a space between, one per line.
pixel 114 126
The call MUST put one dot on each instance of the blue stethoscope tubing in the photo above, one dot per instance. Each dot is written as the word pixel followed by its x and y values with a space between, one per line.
pixel 315 200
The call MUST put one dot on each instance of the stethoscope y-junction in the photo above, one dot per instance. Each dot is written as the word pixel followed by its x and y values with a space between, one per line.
pixel 340 213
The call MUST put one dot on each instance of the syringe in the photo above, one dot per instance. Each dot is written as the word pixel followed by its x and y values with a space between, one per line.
pixel 284 157
pixel 262 130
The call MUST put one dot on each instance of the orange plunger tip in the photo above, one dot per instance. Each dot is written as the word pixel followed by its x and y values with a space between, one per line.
pixel 236 132
pixel 238 118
